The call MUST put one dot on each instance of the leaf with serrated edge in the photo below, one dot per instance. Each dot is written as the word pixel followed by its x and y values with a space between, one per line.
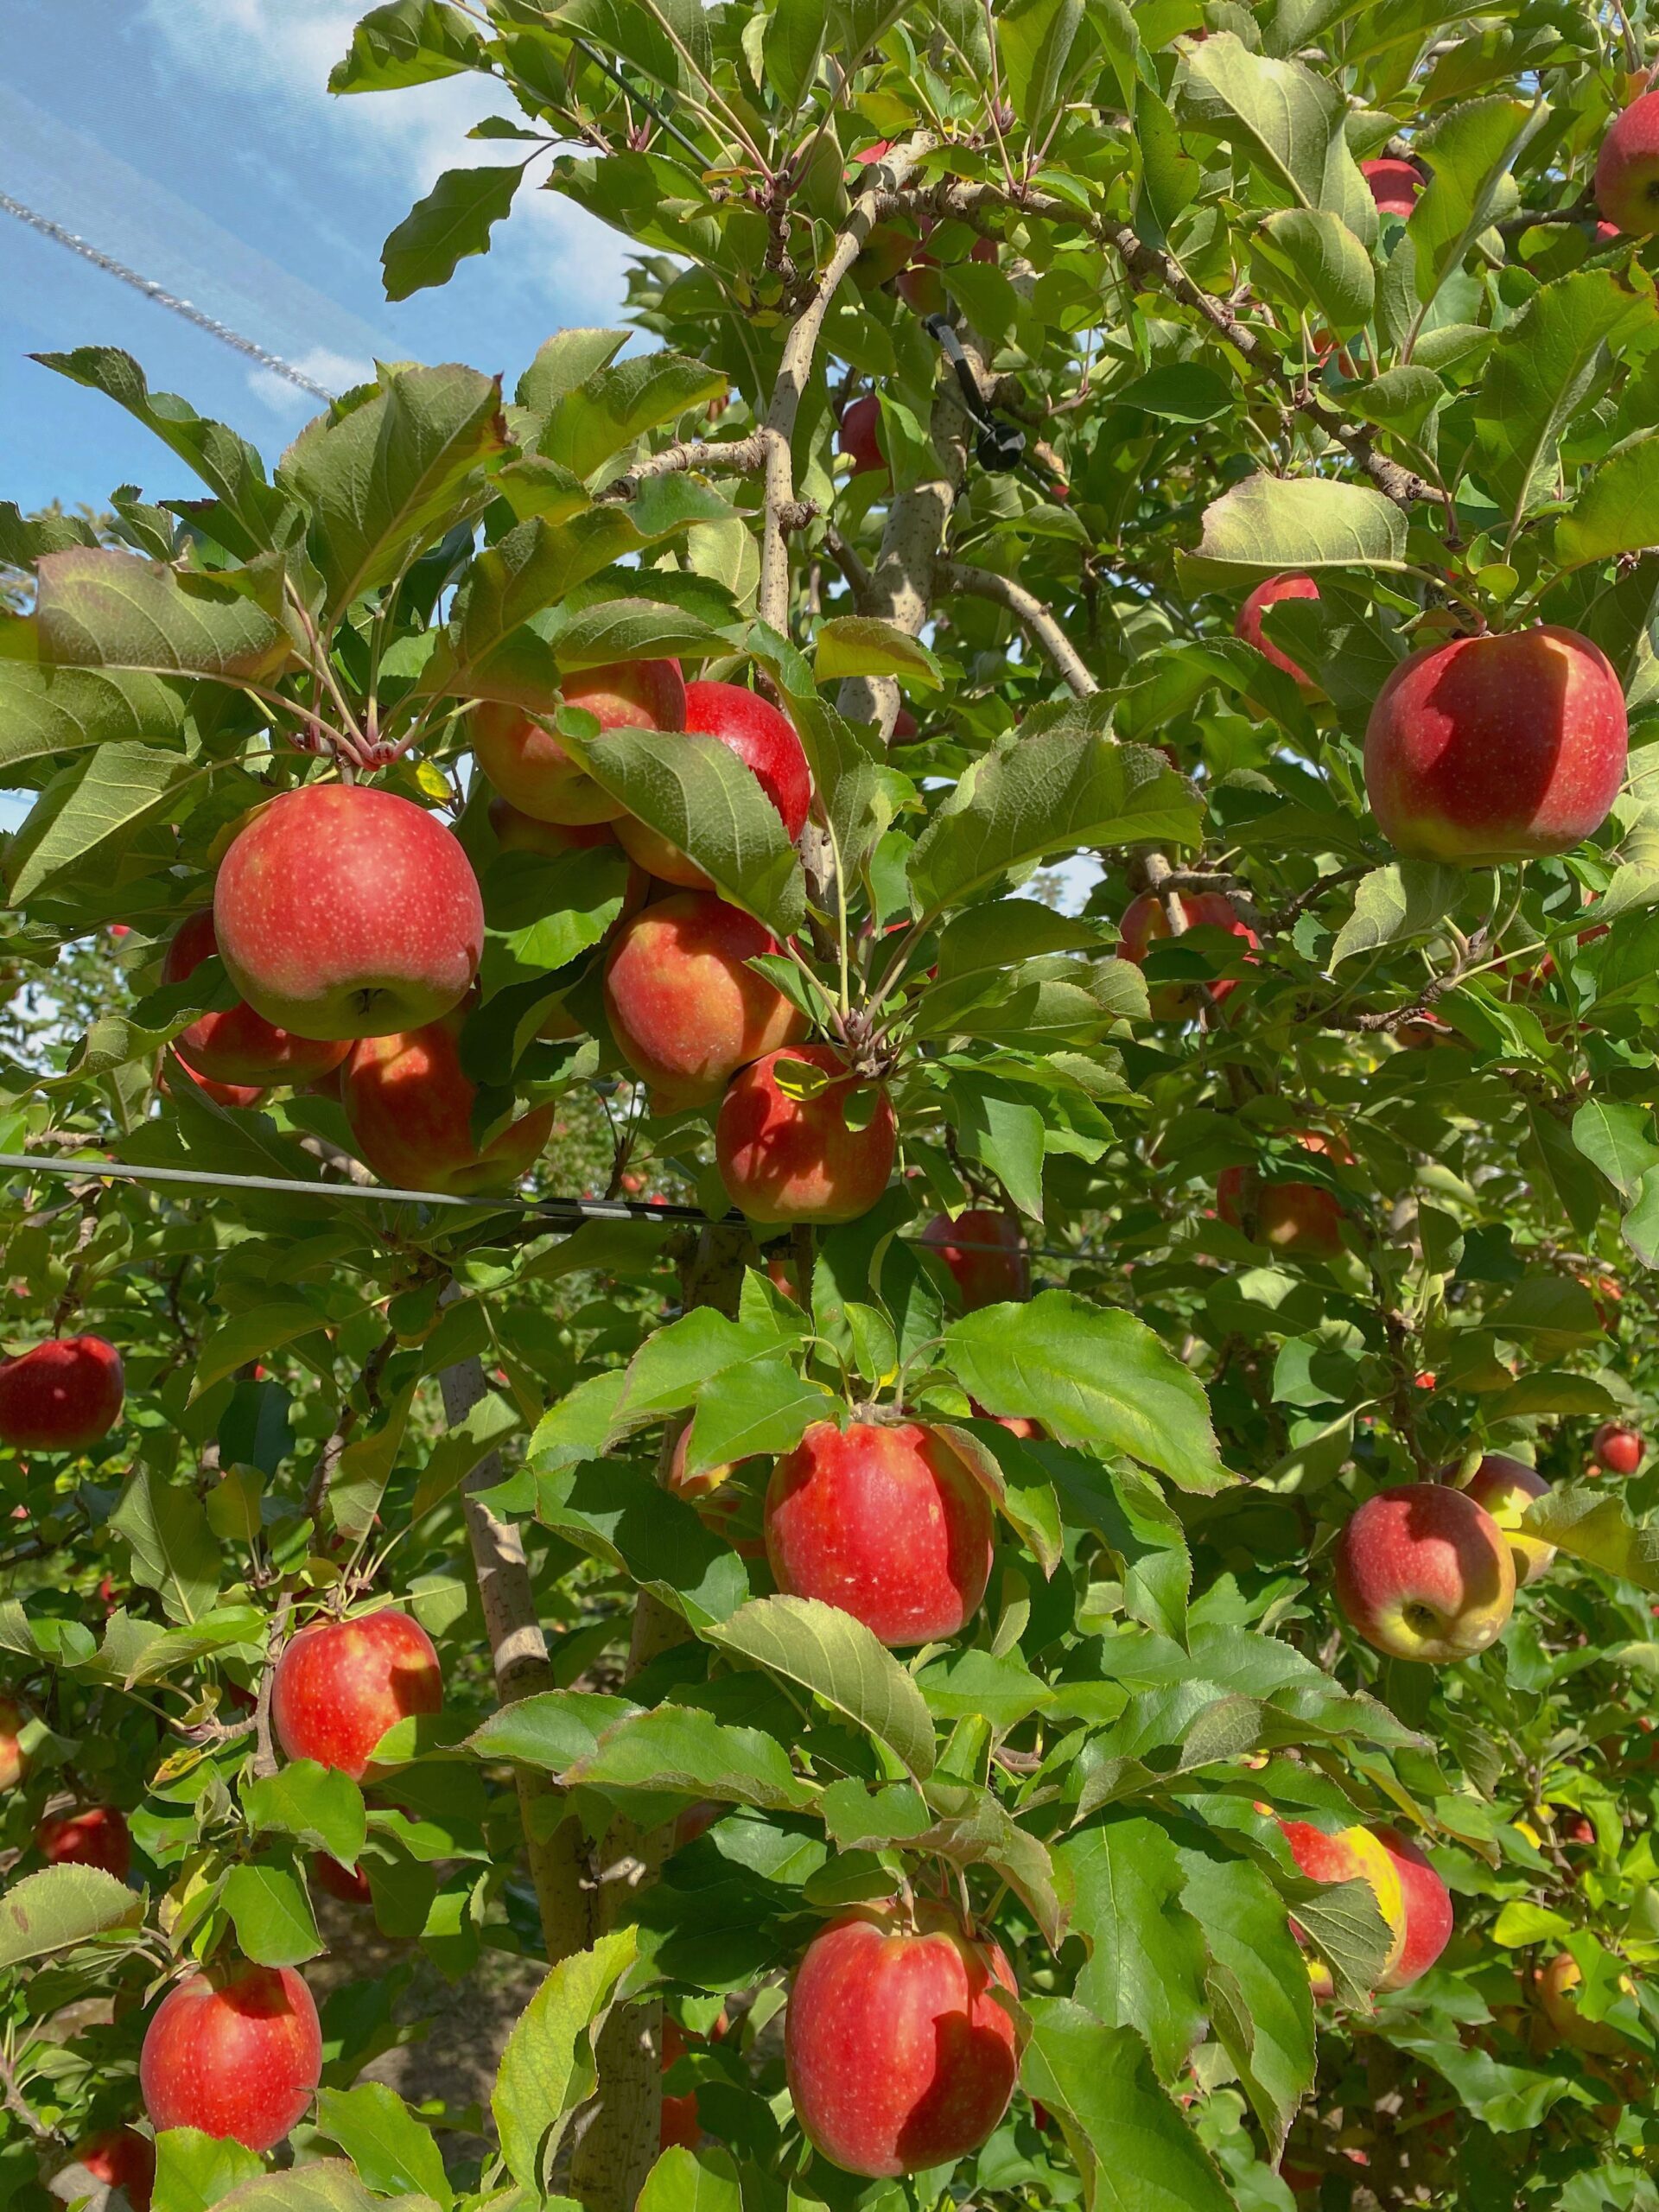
pixel 547 2069
pixel 838 1659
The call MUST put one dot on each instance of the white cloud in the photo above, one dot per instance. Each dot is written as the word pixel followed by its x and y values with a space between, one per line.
pixel 336 373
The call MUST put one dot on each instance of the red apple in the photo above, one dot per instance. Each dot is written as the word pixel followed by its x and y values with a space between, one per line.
pixel 63 1396
pixel 12 1723
pixel 238 1096
pixel 409 1106
pixel 122 2159
pixel 1496 748
pixel 96 1835
pixel 686 1009
pixel 1422 1572
pixel 889 1524
pixel 1020 1425
pixel 763 740
pixel 986 1253
pixel 1290 1217
pixel 1506 1487
pixel 784 1158
pixel 236 2051
pixel 1617 1448
pixel 905 726
pixel 1427 1909
pixel 712 1496
pixel 1395 184
pixel 1146 919
pixel 680 2122
pixel 238 1046
pixel 1627 169
pixel 898 2054
pixel 349 1884
pixel 340 1685
pixel 1348 1854
pixel 346 912
pixel 533 769
pixel 1248 624
pixel 859 437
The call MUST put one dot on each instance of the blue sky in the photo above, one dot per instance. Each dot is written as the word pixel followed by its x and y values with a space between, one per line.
pixel 195 141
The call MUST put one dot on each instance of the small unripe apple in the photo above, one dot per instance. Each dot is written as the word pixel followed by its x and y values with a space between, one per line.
pixel 236 2051
pixel 63 1396
pixel 986 1253
pixel 1427 1904
pixel 339 1685
pixel 1556 1982
pixel 1348 1854
pixel 410 1106
pixel 1290 1217
pixel 1395 184
pixel 686 1008
pixel 786 1159
pixel 346 912
pixel 1627 171
pixel 12 1723
pixel 1424 1572
pixel 898 2056
pixel 859 437
pixel 121 2159
pixel 96 1835
pixel 238 1047
pixel 1506 1488
pixel 888 1524
pixel 1617 1448
pixel 533 771
pixel 767 743
pixel 1496 748
pixel 1248 625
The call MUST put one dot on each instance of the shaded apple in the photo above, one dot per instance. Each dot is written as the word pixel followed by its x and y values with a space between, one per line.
pixel 522 833
pixel 1617 1449
pixel 711 1494
pixel 535 772
pixel 1424 1572
pixel 680 2122
pixel 239 1047
pixel 1291 1216
pixel 763 740
pixel 1496 748
pixel 1393 184
pixel 1506 1487
pixel 1147 921
pixel 349 1884
pixel 986 1252
pixel 822 1157
pixel 1247 623
pixel 1428 1903
pixel 686 1009
pixel 121 2159
pixel 409 1105
pixel 63 1396
pixel 13 1720
pixel 95 1835
pixel 859 436
pixel 1557 1980
pixel 235 2051
pixel 888 1524
pixel 898 2054
pixel 1627 171
pixel 339 1685
pixel 346 912
pixel 237 1097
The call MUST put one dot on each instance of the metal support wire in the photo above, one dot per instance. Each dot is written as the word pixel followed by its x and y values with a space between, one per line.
pixel 164 298
pixel 561 1212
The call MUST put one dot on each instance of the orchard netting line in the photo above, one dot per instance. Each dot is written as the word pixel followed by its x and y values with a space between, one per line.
pixel 575 1210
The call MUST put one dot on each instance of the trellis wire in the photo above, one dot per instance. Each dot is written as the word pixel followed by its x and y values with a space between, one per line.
pixel 558 1209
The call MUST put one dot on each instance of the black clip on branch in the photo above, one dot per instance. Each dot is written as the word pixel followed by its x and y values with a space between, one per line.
pixel 999 445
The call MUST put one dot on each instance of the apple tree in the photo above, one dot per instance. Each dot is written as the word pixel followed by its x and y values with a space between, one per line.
pixel 824 1202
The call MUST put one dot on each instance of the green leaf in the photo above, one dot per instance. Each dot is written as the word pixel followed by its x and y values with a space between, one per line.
pixel 100 608
pixel 1269 523
pixel 88 818
pixel 409 42
pixel 1469 152
pixel 1123 1883
pixel 386 480
pixel 1033 797
pixel 453 221
pixel 316 1805
pixel 241 1336
pixel 1593 1523
pixel 680 1748
pixel 1614 513
pixel 1394 904
pixel 326 2185
pixel 615 406
pixel 45 710
pixel 1330 269
pixel 620 1516
pixel 174 1551
pixel 61 1906
pixel 272 1919
pixel 394 2152
pixel 858 644
pixel 547 2069
pixel 1343 1922
pixel 365 1467
pixel 1093 1377
pixel 194 2171
pixel 693 2181
pixel 838 1659
pixel 1269 2036
pixel 1615 1136
pixel 1286 120
pixel 1180 392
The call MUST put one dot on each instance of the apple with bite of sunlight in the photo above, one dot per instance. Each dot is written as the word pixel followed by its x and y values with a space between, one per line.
pixel 63 1396
pixel 1506 1487
pixel 234 2051
pixel 1428 1903
pixel 535 772
pixel 409 1106
pixel 1147 921
pixel 763 740
pixel 238 1046
pixel 346 912
pixel 1496 748
pixel 986 1252
pixel 686 1008
pixel 1247 623
pixel 339 1685
pixel 1424 1572
pixel 800 1137
pixel 95 1835
pixel 898 2054
pixel 888 1524
pixel 1627 169
pixel 1348 1854
pixel 1617 1449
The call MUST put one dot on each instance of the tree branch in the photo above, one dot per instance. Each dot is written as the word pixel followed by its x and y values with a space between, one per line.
pixel 1029 612
pixel 709 456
